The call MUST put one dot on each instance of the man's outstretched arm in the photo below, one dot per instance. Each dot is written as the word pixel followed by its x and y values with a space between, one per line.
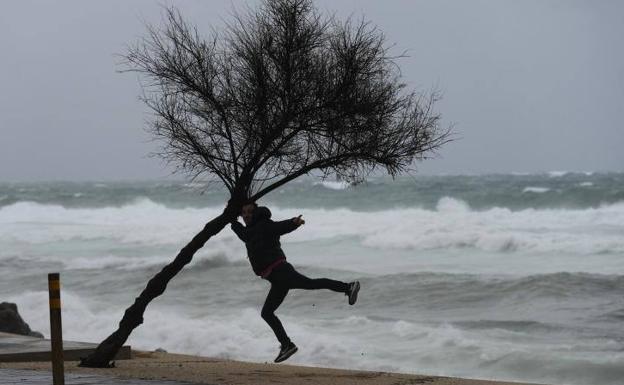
pixel 284 227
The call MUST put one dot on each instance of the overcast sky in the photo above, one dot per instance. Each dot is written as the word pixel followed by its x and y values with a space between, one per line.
pixel 530 86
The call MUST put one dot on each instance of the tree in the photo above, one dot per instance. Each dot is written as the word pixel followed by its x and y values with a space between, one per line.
pixel 281 92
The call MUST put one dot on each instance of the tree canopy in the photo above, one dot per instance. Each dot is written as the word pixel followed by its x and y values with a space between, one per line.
pixel 280 92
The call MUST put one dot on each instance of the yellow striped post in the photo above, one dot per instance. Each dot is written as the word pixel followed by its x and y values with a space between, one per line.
pixel 56 329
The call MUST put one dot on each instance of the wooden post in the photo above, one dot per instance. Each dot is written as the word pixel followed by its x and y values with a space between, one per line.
pixel 56 329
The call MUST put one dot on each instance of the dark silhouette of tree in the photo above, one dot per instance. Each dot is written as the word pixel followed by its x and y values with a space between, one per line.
pixel 282 91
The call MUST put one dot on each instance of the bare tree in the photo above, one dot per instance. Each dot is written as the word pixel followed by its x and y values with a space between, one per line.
pixel 282 91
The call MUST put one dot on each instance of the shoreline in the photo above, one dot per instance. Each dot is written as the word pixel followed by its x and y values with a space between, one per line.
pixel 147 365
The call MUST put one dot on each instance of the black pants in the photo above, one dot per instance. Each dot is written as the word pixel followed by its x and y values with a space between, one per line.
pixel 283 278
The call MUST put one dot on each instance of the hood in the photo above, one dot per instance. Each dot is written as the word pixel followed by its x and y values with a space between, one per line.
pixel 261 213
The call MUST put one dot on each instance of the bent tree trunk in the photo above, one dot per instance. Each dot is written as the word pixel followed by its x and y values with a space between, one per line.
pixel 133 316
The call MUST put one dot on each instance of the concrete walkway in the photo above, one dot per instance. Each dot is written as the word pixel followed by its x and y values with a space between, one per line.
pixel 17 348
pixel 37 377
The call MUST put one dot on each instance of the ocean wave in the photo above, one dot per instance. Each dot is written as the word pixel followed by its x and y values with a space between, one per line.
pixel 203 260
pixel 455 225
pixel 614 315
pixel 511 325
pixel 442 350
pixel 542 303
pixel 214 261
pixel 333 185
pixel 143 222
pixel 353 337
pixel 376 194
pixel 542 367
pixel 558 174
pixel 110 262
pixel 452 225
pixel 538 190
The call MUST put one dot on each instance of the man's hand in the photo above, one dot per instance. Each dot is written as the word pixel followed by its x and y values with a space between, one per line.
pixel 298 221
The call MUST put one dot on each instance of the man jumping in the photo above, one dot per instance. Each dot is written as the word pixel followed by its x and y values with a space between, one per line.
pixel 261 236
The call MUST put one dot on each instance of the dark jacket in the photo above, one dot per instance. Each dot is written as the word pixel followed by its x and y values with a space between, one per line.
pixel 261 238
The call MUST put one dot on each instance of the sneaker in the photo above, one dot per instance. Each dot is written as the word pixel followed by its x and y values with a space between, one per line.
pixel 286 351
pixel 354 288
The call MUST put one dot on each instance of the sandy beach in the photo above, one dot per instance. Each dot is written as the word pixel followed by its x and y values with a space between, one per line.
pixel 203 370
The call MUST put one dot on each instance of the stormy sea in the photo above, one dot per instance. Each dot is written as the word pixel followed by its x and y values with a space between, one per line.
pixel 511 277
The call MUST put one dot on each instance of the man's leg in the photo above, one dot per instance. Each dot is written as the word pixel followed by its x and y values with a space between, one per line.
pixel 297 280
pixel 274 299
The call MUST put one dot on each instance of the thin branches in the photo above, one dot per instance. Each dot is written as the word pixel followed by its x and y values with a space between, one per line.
pixel 280 92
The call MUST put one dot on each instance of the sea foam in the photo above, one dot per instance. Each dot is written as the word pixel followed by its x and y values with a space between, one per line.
pixel 390 345
pixel 452 225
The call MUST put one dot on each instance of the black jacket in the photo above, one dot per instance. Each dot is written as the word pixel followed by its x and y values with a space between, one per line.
pixel 261 238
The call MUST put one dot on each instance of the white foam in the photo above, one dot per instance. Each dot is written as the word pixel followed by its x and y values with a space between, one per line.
pixel 109 262
pixel 336 340
pixel 27 227
pixel 448 205
pixel 333 185
pixel 82 321
pixel 242 334
pixel 557 174
pixel 140 222
pixel 502 230
pixel 538 190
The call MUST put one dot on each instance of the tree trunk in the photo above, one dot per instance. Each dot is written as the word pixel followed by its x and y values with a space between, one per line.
pixel 133 316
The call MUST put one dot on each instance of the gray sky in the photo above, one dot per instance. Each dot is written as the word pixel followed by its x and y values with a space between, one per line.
pixel 530 85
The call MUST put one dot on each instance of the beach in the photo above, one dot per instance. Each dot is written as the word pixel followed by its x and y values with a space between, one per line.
pixel 203 370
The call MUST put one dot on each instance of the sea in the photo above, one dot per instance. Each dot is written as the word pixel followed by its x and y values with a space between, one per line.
pixel 514 277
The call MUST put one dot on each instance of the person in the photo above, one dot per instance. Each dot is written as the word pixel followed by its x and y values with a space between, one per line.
pixel 261 236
